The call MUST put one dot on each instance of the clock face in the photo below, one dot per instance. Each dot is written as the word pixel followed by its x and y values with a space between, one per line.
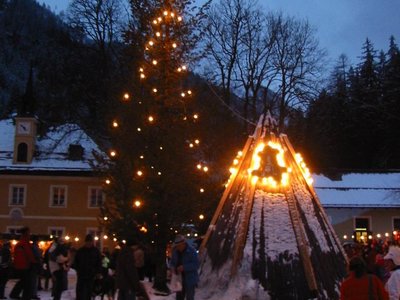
pixel 24 127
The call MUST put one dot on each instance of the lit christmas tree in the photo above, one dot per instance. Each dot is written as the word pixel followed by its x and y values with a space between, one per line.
pixel 156 169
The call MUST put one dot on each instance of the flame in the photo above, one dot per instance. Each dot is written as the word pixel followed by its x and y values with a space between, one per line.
pixel 303 167
pixel 269 182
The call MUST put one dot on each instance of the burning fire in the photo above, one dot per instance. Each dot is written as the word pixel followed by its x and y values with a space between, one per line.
pixel 262 165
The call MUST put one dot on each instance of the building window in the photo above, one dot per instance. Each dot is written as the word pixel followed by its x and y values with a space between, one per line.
pixel 56 231
pixel 96 197
pixel 14 230
pixel 396 224
pixel 22 152
pixel 58 196
pixel 362 229
pixel 361 224
pixel 17 195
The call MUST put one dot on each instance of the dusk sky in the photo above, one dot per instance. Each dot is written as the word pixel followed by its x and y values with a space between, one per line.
pixel 342 25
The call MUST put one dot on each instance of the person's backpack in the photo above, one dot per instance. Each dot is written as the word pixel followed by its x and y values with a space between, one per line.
pixel 21 261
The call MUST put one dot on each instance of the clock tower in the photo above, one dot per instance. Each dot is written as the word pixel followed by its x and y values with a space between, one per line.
pixel 25 126
pixel 24 141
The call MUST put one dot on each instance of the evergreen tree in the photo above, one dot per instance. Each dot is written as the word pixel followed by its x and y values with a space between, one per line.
pixel 154 181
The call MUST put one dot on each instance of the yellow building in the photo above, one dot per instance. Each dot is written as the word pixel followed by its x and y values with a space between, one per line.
pixel 48 183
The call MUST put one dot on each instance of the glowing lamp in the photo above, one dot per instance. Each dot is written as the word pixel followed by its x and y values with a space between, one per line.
pixel 155 90
pixel 105 237
pixel 179 18
pixel 66 238
pixel 126 96
pixel 96 238
pixel 199 166
pixel 201 217
pixel 174 45
pixel 108 181
pixel 158 34
pixel 105 218
pixel 201 190
pixel 113 153
pixel 139 173
pixel 115 124
pixel 154 62
pixel 151 118
pixel 76 239
pixel 137 203
pixel 205 169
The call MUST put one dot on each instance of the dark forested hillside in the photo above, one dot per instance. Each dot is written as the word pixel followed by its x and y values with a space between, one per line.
pixel 355 121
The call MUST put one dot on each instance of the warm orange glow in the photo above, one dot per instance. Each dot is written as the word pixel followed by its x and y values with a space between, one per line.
pixel 108 181
pixel 201 190
pixel 199 166
pixel 155 90
pixel 158 34
pixel 139 173
pixel 154 62
pixel 113 153
pixel 174 45
pixel 179 19
pixel 195 116
pixel 137 203
pixel 126 96
pixel 115 124
pixel 151 43
pixel 205 169
pixel 269 181
pixel 105 237
pixel 196 142
pixel 150 118
pixel 303 168
pixel 201 217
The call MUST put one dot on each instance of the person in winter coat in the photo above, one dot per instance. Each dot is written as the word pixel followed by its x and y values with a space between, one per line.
pixel 5 265
pixel 23 261
pixel 87 264
pixel 185 261
pixel 58 265
pixel 360 285
pixel 126 276
pixel 392 263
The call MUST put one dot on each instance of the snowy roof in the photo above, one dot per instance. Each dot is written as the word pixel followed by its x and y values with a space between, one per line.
pixel 359 190
pixel 51 150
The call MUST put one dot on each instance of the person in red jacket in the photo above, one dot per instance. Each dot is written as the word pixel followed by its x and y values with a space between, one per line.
pixel 360 285
pixel 23 260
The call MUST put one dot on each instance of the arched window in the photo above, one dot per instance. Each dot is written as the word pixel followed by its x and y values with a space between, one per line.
pixel 22 152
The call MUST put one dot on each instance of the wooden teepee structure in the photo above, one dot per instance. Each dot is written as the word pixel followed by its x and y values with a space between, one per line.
pixel 270 237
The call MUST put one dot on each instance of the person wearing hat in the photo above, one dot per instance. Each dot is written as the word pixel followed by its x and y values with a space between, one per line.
pixel 392 264
pixel 185 261
pixel 360 285
pixel 87 264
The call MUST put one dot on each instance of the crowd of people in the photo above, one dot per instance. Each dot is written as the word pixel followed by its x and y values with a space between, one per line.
pixel 98 273
pixel 374 271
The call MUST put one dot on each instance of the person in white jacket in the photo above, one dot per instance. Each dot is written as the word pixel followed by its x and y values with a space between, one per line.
pixel 58 264
pixel 392 263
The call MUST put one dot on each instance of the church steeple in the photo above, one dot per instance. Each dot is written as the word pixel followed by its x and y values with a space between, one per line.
pixel 25 126
pixel 27 103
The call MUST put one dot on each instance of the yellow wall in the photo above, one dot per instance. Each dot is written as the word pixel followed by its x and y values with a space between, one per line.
pixel 76 217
